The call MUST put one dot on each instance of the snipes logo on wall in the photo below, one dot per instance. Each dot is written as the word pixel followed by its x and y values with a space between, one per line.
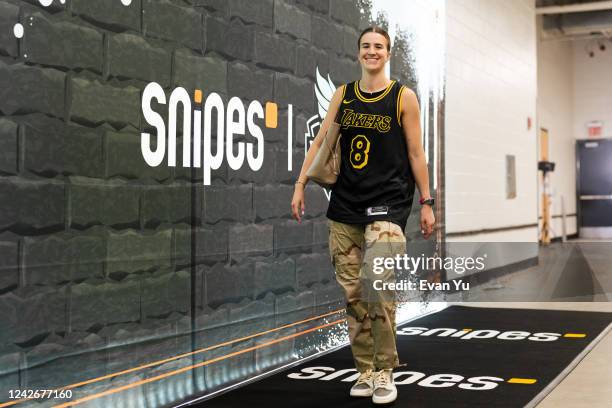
pixel 219 131
pixel 230 121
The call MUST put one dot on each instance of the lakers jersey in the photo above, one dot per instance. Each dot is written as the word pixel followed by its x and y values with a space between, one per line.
pixel 375 181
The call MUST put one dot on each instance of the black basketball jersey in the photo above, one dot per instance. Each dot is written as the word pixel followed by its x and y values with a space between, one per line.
pixel 375 181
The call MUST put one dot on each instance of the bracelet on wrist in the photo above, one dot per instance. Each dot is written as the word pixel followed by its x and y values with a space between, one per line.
pixel 427 201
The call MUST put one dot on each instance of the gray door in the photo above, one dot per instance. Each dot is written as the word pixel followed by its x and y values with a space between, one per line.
pixel 594 187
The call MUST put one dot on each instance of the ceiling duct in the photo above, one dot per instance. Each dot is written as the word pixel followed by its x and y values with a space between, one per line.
pixel 577 6
pixel 591 24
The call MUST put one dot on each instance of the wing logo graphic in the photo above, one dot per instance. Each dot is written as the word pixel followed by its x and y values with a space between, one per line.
pixel 324 90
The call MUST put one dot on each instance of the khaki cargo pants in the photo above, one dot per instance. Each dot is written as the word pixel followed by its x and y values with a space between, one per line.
pixel 370 313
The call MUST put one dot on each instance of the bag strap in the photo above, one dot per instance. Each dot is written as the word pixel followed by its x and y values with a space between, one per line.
pixel 337 118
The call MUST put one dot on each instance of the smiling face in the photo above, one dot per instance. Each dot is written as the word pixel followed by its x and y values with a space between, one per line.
pixel 373 52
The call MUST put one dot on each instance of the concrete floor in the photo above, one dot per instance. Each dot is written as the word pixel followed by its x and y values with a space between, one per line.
pixel 576 271
pixel 589 383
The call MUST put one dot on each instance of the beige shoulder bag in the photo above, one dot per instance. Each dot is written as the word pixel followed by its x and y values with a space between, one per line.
pixel 325 167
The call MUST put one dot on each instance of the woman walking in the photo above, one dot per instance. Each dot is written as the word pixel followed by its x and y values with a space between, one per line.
pixel 382 160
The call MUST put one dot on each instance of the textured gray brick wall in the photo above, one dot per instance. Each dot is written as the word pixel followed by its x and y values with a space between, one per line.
pixel 123 49
pixel 96 247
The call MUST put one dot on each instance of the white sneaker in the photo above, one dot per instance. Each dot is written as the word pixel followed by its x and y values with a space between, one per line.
pixel 364 386
pixel 384 387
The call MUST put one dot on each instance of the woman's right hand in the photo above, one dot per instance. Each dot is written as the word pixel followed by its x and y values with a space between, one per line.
pixel 297 202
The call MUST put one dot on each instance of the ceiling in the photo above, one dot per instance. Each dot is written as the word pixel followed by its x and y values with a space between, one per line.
pixel 576 25
pixel 546 3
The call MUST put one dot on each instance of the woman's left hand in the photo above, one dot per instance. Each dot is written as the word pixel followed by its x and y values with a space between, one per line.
pixel 427 221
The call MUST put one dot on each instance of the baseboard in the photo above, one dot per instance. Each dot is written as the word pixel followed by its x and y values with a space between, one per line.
pixel 559 239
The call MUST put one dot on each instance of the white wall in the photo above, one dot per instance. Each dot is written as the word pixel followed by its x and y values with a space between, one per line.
pixel 573 89
pixel 592 89
pixel 490 92
pixel 556 114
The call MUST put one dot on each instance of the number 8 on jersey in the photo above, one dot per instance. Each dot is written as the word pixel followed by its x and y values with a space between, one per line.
pixel 360 147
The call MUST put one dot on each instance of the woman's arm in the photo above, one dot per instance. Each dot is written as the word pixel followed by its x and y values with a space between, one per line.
pixel 297 203
pixel 411 125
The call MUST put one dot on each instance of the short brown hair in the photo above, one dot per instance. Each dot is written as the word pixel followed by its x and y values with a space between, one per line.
pixel 375 29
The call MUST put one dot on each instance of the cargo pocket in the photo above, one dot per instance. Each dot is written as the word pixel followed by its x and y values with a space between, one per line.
pixel 333 246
